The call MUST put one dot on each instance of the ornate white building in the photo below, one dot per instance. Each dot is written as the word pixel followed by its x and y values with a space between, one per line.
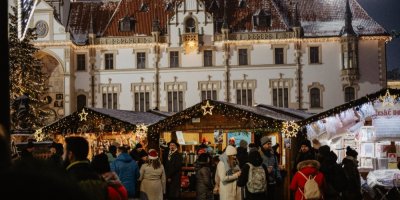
pixel 171 54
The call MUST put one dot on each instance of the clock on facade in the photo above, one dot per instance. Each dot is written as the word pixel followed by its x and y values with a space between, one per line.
pixel 41 28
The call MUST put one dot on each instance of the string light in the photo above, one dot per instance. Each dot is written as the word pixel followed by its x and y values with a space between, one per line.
pixel 290 129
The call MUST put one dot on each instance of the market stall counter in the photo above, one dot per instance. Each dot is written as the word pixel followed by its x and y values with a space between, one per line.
pixel 386 182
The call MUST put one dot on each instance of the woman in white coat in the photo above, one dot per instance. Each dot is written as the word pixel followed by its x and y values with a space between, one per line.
pixel 228 172
pixel 153 178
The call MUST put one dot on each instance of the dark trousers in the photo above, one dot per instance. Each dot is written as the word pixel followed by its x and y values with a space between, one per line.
pixel 271 194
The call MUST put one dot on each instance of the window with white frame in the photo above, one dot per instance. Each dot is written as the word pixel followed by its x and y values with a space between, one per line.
pixel 280 92
pixel 315 98
pixel 81 62
pixel 349 94
pixel 141 60
pixel 110 96
pixel 175 96
pixel 108 61
pixel 315 91
pixel 81 101
pixel 174 59
pixel 245 92
pixel 315 55
pixel 243 57
pixel 208 58
pixel 209 89
pixel 279 55
pixel 142 94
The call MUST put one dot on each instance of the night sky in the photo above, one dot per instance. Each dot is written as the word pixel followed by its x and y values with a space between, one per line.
pixel 387 14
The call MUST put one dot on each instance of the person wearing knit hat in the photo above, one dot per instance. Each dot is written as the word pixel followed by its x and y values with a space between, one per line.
pixel 152 177
pixel 350 168
pixel 271 162
pixel 228 172
pixel 265 140
pixel 242 154
pixel 306 152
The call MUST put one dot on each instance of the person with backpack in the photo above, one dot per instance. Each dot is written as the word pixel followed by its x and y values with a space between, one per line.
pixel 254 178
pixel 308 181
pixel 335 181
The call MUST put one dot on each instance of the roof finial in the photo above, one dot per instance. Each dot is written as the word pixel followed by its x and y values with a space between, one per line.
pixel 348 27
pixel 91 30
pixel 296 15
pixel 225 22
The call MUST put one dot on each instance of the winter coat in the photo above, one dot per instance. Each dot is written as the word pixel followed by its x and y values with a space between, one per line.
pixel 309 155
pixel 335 181
pixel 153 182
pixel 173 172
pixel 204 186
pixel 228 189
pixel 269 159
pixel 353 180
pixel 242 156
pixel 307 167
pixel 94 187
pixel 116 191
pixel 127 171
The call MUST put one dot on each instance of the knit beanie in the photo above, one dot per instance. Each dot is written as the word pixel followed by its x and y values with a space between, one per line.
pixel 265 140
pixel 230 150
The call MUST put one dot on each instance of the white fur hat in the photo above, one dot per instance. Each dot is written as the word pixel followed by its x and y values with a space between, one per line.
pixel 230 150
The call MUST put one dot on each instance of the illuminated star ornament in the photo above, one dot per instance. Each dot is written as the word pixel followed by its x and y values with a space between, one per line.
pixel 39 135
pixel 290 129
pixel 387 100
pixel 207 109
pixel 82 115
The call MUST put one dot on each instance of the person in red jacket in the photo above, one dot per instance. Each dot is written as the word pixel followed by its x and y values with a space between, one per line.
pixel 308 168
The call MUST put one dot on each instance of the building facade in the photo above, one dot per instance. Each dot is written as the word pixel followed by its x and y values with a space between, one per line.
pixel 171 54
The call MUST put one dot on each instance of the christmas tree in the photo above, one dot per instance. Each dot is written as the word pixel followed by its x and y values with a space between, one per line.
pixel 27 80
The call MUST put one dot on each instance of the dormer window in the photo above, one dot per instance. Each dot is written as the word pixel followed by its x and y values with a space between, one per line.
pixel 127 24
pixel 169 6
pixel 262 18
pixel 190 25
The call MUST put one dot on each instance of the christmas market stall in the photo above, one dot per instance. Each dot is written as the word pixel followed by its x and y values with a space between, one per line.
pixel 101 127
pixel 370 125
pixel 217 123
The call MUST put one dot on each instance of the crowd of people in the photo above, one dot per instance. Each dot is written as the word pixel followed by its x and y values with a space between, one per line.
pixel 246 172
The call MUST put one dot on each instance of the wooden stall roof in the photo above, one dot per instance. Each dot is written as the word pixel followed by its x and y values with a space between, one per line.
pixel 100 119
pixel 357 102
pixel 261 115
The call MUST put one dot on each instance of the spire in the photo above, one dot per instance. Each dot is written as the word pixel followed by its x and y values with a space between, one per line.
pixel 348 27
pixel 91 30
pixel 296 16
pixel 225 22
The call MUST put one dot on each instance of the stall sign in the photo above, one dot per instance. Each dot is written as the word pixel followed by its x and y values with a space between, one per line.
pixel 179 135
pixel 392 157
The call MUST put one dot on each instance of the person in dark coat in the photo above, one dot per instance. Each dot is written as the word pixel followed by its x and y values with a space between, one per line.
pixel 256 160
pixel 27 153
pixel 173 165
pixel 78 167
pixel 353 180
pixel 306 152
pixel 335 180
pixel 204 186
pixel 57 151
pixel 139 154
pixel 242 154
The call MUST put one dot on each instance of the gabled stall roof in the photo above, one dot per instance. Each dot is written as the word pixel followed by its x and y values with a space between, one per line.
pixel 341 108
pixel 261 115
pixel 100 119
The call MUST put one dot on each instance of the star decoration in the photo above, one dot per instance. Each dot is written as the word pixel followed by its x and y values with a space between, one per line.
pixel 387 100
pixel 83 115
pixel 290 129
pixel 207 109
pixel 39 135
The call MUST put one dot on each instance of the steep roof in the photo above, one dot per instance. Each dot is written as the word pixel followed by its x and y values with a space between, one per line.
pixel 110 119
pixel 319 18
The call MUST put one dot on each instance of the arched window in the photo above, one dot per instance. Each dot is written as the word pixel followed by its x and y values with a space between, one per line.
pixel 81 101
pixel 349 94
pixel 190 25
pixel 315 98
